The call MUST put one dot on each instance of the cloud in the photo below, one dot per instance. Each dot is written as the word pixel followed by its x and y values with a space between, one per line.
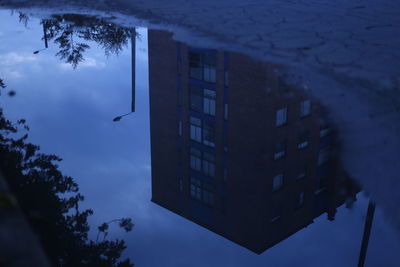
pixel 13 58
pixel 89 62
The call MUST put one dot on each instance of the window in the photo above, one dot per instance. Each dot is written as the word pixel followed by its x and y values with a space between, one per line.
pixel 195 188
pixel 277 182
pixel 195 159
pixel 225 174
pixel 226 78
pixel 180 185
pixel 202 100
pixel 201 191
pixel 280 150
pixel 195 129
pixel 300 199
pixel 281 116
pixel 180 128
pixel 203 162
pixel 275 212
pixel 302 173
pixel 196 99
pixel 180 96
pixel 208 133
pixel 324 156
pixel 202 131
pixel 323 182
pixel 324 131
pixel 303 140
pixel 208 164
pixel 209 102
pixel 202 67
pixel 305 108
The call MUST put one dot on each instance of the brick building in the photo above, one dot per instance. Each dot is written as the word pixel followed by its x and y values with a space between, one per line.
pixel 236 150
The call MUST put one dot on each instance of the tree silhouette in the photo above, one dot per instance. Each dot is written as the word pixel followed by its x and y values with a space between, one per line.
pixel 69 31
pixel 51 200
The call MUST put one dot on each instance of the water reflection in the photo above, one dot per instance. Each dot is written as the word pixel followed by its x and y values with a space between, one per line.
pixel 235 149
pixel 72 32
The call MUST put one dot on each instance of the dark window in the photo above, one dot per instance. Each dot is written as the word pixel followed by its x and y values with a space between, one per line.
pixel 302 173
pixel 195 129
pixel 277 182
pixel 303 140
pixel 202 191
pixel 209 133
pixel 203 162
pixel 324 156
pixel 195 159
pixel 300 200
pixel 202 131
pixel 305 108
pixel 202 67
pixel 202 100
pixel 281 117
pixel 280 150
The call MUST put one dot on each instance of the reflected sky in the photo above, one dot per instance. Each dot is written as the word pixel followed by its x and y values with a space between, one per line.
pixel 70 114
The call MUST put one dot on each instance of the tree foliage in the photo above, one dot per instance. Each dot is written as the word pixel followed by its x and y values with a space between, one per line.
pixel 51 200
pixel 70 31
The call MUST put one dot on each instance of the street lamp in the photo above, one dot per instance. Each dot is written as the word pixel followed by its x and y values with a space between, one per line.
pixel 46 45
pixel 133 57
pixel 118 118
pixel 37 51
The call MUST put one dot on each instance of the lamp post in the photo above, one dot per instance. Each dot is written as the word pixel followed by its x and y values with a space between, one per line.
pixel 118 118
pixel 133 57
pixel 367 231
pixel 46 45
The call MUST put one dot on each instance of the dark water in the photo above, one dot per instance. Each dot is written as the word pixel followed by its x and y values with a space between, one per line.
pixel 216 157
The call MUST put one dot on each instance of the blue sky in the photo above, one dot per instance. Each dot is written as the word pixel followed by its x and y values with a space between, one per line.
pixel 70 114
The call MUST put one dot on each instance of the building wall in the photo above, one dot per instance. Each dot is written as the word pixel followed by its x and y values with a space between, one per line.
pixel 244 202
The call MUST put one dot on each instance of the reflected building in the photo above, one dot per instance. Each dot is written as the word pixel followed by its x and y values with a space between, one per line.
pixel 236 150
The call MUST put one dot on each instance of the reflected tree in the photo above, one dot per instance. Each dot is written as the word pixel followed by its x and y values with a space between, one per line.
pixel 72 32
pixel 50 201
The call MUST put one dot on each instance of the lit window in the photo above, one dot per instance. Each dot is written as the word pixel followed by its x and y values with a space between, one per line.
pixel 281 116
pixel 305 108
pixel 277 182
